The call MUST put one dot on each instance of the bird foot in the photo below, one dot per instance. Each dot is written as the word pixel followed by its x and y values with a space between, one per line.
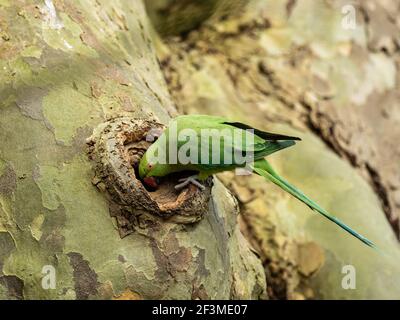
pixel 185 181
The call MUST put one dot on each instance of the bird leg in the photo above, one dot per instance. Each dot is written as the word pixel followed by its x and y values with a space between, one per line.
pixel 192 179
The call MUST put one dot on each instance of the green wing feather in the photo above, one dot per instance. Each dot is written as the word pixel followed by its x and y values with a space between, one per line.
pixel 262 134
pixel 264 143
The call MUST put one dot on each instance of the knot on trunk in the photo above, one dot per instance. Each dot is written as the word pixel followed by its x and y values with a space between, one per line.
pixel 116 147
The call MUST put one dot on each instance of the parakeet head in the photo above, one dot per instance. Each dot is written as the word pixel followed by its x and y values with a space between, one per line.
pixel 148 172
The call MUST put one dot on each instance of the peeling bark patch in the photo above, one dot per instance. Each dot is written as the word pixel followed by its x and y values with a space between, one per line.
pixel 198 289
pixel 170 257
pixel 6 245
pixel 14 286
pixel 79 139
pixel 78 109
pixel 30 102
pixel 52 237
pixel 181 259
pixel 8 182
pixel 162 273
pixel 85 278
pixel 199 293
pixel 201 271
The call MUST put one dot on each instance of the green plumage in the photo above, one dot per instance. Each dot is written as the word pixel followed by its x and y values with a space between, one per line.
pixel 186 133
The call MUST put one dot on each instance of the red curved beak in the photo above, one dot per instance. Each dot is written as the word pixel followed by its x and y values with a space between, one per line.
pixel 151 182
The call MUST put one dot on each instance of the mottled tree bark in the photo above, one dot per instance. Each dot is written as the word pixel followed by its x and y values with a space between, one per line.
pixel 66 67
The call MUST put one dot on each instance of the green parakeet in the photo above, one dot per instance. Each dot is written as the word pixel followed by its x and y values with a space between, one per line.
pixel 208 145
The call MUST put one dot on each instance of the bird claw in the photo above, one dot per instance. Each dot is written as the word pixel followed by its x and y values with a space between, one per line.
pixel 186 181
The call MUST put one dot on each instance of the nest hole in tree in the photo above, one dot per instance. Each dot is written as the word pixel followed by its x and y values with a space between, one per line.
pixel 116 148
pixel 165 192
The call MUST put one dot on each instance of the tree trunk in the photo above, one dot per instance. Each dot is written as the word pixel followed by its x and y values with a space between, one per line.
pixel 67 68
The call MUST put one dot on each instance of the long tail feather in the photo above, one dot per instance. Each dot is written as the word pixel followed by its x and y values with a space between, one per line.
pixel 264 169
